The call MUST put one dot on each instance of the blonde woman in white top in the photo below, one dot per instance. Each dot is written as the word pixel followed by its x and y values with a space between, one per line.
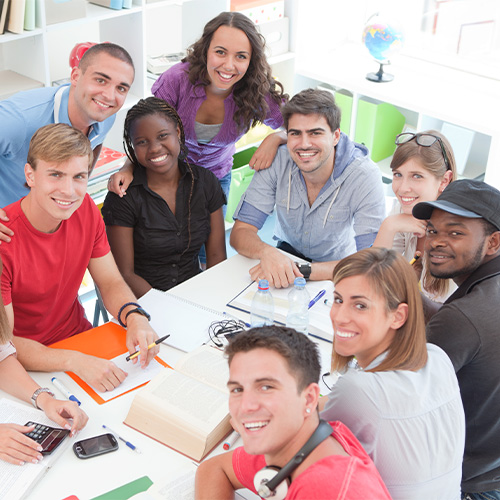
pixel 423 165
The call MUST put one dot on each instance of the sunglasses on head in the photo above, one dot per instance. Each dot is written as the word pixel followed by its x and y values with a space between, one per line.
pixel 426 140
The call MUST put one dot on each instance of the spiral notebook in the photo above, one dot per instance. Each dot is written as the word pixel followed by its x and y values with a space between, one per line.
pixel 185 321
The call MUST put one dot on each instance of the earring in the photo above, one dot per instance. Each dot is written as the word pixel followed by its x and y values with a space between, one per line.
pixel 308 410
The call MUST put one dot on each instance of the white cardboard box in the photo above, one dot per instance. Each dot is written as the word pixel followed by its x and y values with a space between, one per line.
pixel 276 34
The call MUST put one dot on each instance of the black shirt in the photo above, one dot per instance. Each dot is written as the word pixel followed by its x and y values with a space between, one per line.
pixel 160 237
pixel 467 328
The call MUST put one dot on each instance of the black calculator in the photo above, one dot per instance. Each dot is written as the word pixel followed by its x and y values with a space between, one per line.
pixel 48 437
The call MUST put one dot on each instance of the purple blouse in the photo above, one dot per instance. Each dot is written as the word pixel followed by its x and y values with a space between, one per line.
pixel 174 87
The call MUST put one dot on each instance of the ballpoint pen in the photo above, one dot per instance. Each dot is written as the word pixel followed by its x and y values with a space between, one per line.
pixel 65 390
pixel 156 342
pixel 318 296
pixel 128 443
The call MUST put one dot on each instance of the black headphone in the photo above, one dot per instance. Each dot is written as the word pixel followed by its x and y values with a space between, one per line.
pixel 272 481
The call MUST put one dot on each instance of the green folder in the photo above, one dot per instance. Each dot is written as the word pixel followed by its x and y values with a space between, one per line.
pixel 127 490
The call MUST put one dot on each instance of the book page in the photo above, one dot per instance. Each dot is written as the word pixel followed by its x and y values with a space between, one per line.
pixel 206 364
pixel 18 479
pixel 136 376
pixel 189 401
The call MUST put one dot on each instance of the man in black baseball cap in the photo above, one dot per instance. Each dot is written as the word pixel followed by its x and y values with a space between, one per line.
pixel 463 243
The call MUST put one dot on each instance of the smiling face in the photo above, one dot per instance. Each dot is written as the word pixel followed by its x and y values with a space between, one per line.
pixel 413 183
pixel 228 58
pixel 100 90
pixel 156 143
pixel 455 246
pixel 265 406
pixel 363 326
pixel 311 143
pixel 57 191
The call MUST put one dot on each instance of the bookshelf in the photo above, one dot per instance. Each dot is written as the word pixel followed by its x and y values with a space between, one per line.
pixel 41 56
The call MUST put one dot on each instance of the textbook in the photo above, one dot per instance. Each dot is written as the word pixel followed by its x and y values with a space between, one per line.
pixel 186 408
pixel 320 324
pixel 18 481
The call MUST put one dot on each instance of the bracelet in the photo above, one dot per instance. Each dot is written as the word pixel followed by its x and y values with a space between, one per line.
pixel 138 310
pixel 37 393
pixel 119 316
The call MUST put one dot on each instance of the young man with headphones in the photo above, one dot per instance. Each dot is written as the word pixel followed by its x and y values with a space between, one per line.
pixel 288 451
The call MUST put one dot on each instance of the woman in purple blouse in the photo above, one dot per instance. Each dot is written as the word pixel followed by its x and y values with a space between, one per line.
pixel 222 88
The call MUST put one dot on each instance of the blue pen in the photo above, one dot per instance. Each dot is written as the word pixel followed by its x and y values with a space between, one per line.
pixel 128 443
pixel 65 390
pixel 318 296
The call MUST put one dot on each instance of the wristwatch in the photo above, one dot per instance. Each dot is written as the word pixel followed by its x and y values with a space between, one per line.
pixel 37 393
pixel 138 310
pixel 305 269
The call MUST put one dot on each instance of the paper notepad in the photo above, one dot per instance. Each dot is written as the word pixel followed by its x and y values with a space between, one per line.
pixel 108 342
pixel 185 321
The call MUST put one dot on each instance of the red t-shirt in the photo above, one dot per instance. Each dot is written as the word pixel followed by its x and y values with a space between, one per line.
pixel 42 272
pixel 335 477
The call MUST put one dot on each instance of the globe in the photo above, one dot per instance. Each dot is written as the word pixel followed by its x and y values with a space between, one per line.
pixel 383 41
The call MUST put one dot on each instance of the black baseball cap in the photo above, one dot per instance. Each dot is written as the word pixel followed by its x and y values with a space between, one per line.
pixel 466 198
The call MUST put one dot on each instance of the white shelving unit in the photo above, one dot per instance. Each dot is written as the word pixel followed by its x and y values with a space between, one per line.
pixel 160 27
pixel 428 95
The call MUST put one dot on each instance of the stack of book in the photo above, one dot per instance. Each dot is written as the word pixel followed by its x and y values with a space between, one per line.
pixel 109 162
pixel 17 15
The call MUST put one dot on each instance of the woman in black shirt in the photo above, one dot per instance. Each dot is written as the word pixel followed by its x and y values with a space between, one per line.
pixel 171 208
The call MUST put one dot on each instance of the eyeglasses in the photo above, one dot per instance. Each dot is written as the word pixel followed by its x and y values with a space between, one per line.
pixel 426 140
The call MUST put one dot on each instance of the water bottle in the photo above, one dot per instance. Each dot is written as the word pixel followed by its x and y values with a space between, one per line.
pixel 298 306
pixel 262 309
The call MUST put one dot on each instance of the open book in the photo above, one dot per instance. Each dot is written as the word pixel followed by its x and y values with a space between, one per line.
pixel 18 480
pixel 186 408
pixel 320 324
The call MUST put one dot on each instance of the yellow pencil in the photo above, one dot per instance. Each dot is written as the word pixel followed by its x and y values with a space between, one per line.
pixel 136 353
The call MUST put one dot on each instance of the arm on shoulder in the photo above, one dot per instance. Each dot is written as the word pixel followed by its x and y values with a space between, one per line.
pixel 215 478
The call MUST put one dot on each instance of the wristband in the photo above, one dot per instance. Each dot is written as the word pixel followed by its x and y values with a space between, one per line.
pixel 138 310
pixel 119 316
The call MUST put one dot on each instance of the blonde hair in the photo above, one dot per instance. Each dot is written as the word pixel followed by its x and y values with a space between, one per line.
pixel 432 159
pixel 393 279
pixel 5 330
pixel 58 142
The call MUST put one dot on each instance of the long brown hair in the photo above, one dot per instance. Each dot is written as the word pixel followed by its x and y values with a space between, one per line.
pixel 432 159
pixel 392 278
pixel 251 91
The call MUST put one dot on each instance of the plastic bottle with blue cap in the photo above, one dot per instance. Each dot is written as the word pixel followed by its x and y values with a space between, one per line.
pixel 262 308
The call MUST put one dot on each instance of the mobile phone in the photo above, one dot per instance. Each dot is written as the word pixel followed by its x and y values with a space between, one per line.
pixel 49 438
pixel 98 445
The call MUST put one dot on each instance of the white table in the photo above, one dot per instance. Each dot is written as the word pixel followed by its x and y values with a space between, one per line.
pixel 89 478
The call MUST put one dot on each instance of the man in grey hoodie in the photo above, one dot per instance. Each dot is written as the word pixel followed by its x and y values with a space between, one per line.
pixel 327 191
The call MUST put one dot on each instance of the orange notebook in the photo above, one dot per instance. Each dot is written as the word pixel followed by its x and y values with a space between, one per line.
pixel 106 341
